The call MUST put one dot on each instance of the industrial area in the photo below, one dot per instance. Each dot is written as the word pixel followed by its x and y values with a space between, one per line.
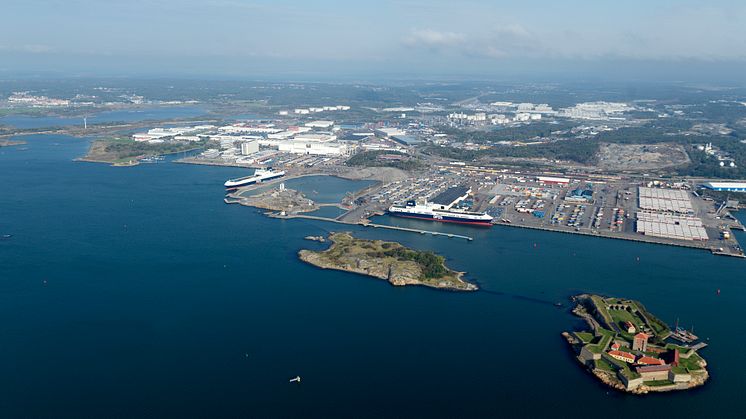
pixel 671 213
pixel 414 182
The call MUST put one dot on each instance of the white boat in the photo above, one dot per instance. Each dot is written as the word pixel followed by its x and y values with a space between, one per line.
pixel 435 212
pixel 259 176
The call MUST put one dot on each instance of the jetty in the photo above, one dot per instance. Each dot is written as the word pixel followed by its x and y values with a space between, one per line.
pixel 368 224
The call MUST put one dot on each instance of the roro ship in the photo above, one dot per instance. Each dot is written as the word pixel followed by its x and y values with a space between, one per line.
pixel 440 213
pixel 259 176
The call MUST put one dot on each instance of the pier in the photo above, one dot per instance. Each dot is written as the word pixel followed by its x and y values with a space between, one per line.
pixel 364 224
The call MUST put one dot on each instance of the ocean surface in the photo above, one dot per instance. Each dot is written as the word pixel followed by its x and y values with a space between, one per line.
pixel 138 292
pixel 155 113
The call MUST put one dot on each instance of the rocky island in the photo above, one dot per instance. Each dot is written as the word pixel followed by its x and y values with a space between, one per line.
pixel 288 201
pixel 630 350
pixel 386 260
pixel 8 143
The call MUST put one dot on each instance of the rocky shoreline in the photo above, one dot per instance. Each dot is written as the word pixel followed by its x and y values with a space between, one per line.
pixel 360 256
pixel 9 143
pixel 632 378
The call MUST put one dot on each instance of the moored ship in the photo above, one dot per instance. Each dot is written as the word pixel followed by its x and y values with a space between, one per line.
pixel 260 175
pixel 440 213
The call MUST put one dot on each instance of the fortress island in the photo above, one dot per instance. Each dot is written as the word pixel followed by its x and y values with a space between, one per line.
pixel 386 260
pixel 631 350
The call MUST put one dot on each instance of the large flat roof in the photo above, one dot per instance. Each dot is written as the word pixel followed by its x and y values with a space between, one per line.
pixel 738 185
pixel 451 195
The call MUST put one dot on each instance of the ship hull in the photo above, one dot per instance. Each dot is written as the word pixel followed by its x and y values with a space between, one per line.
pixel 442 219
pixel 248 182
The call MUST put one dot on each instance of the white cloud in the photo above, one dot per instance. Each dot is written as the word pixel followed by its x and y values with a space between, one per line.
pixel 433 39
pixel 499 42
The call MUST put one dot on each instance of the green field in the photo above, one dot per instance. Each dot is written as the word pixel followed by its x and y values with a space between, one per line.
pixel 621 316
pixel 605 365
pixel 691 363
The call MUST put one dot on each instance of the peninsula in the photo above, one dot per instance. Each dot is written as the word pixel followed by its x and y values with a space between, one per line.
pixel 288 201
pixel 8 143
pixel 386 260
pixel 126 152
pixel 629 349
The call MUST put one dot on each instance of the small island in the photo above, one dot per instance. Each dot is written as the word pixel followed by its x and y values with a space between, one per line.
pixel 8 143
pixel 288 201
pixel 629 349
pixel 386 260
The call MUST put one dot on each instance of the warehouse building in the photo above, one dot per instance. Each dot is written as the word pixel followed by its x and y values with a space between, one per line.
pixel 330 148
pixel 726 186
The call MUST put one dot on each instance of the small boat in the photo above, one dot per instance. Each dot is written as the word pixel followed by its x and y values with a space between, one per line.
pixel 7 236
pixel 295 380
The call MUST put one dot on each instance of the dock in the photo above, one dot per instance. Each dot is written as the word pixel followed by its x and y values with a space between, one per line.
pixel 364 224
pixel 699 346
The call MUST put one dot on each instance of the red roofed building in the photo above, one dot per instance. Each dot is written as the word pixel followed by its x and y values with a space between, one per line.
pixel 615 346
pixel 649 360
pixel 640 342
pixel 622 356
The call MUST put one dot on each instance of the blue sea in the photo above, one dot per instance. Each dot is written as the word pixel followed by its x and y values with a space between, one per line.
pixel 137 292
pixel 128 115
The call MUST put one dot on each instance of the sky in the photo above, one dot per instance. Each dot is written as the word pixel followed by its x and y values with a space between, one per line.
pixel 407 38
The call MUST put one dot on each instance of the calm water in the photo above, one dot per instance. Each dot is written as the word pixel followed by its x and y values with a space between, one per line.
pixel 323 189
pixel 25 121
pixel 138 292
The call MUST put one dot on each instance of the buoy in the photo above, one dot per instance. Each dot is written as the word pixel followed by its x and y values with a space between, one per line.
pixel 718 291
pixel 44 282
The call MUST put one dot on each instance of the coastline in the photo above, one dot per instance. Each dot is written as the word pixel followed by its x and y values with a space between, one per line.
pixel 601 350
pixel 10 143
pixel 395 272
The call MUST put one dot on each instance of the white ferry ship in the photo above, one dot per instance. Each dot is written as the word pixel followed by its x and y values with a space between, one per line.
pixel 436 212
pixel 259 176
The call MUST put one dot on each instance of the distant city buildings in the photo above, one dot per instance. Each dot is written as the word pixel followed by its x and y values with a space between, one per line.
pixel 26 99
pixel 595 110
pixel 318 109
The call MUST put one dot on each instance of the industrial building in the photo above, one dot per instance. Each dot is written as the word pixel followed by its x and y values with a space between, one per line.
pixel 406 139
pixel 550 180
pixel 390 132
pixel 667 200
pixel 329 148
pixel 670 226
pixel 320 124
pixel 451 196
pixel 726 186
pixel 249 147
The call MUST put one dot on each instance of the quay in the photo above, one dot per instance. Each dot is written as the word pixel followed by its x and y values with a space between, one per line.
pixel 639 239
pixel 368 224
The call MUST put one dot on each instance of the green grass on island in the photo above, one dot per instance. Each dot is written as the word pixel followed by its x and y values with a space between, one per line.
pixel 386 260
pixel 609 320
pixel 122 150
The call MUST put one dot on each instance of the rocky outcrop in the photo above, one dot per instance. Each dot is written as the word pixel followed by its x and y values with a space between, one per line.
pixel 354 255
